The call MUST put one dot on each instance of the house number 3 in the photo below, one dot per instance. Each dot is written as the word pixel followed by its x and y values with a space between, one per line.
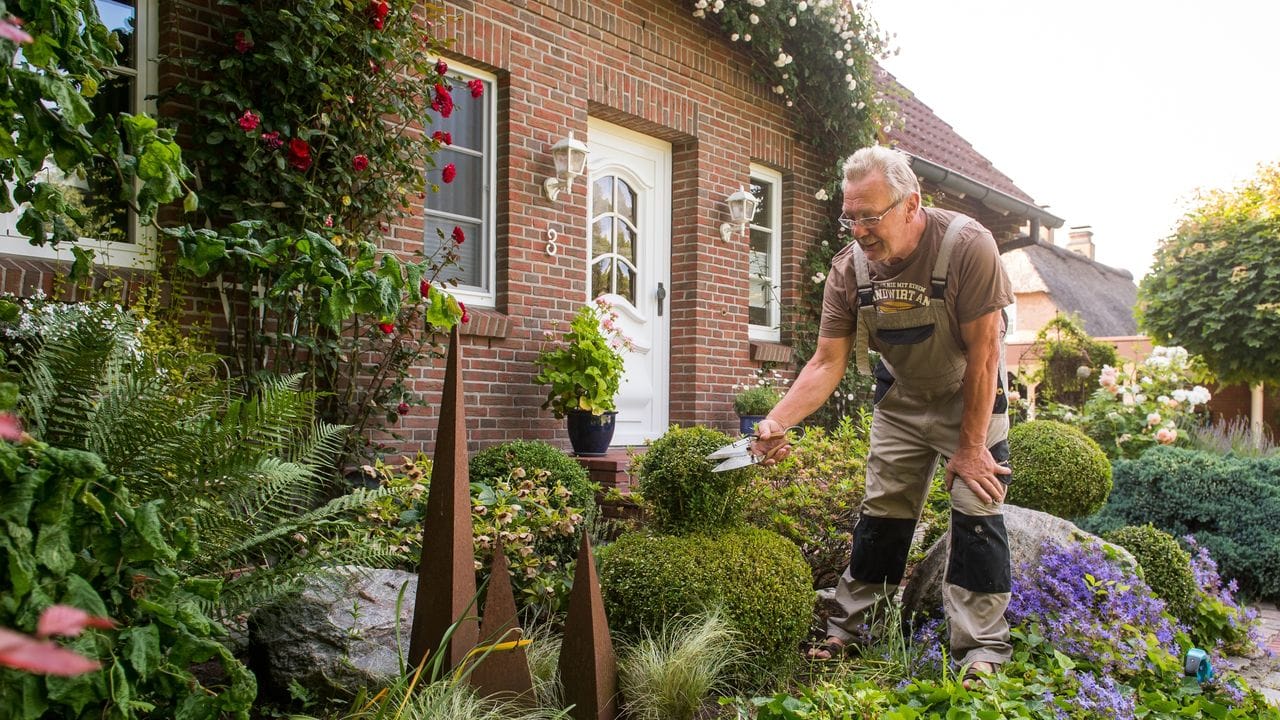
pixel 552 248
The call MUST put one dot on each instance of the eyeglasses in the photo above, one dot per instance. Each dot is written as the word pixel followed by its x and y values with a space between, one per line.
pixel 866 223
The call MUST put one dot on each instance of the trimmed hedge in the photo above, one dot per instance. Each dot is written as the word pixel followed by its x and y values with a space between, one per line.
pixel 757 577
pixel 1165 566
pixel 1231 505
pixel 1057 469
pixel 677 482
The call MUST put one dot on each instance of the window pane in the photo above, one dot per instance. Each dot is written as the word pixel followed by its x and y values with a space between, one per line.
pixel 602 196
pixel 121 18
pixel 626 201
pixel 463 196
pixel 467 121
pixel 626 241
pixel 602 236
pixel 626 287
pixel 600 276
pixel 758 314
pixel 470 269
pixel 764 213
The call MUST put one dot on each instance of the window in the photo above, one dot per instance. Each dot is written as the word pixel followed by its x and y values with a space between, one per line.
pixel 470 201
pixel 111 229
pixel 766 255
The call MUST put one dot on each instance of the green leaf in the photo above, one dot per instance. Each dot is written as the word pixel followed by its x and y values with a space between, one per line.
pixel 142 648
pixel 80 594
pixel 1064 662
pixel 70 103
pixel 191 202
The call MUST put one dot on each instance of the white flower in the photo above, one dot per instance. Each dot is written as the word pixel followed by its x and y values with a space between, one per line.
pixel 792 21
pixel 848 77
pixel 825 243
pixel 697 14
pixel 779 89
pixel 839 54
pixel 718 5
pixel 819 277
pixel 754 18
pixel 821 194
pixel 756 3
pixel 802 6
pixel 1153 418
pixel 746 37
pixel 734 37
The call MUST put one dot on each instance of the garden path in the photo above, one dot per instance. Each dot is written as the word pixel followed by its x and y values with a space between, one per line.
pixel 1263 672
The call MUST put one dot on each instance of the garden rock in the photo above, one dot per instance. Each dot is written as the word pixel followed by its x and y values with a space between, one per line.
pixel 337 635
pixel 1028 530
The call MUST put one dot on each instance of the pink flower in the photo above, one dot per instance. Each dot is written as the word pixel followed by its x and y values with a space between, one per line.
pixel 442 67
pixel 244 42
pixel 1153 419
pixel 10 427
pixel 457 235
pixel 299 154
pixel 69 621
pixel 443 101
pixel 328 221
pixel 360 162
pixel 477 88
pixel 449 173
pixel 248 121
pixel 272 140
pixel 441 136
pixel 387 327
pixel 1166 435
pixel 38 655
pixel 10 29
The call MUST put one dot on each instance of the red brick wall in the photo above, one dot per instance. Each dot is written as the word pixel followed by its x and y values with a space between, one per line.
pixel 648 66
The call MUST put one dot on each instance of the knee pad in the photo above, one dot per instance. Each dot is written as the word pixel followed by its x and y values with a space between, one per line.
pixel 880 547
pixel 979 559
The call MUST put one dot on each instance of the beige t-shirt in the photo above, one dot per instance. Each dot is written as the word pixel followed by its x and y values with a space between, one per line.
pixel 976 281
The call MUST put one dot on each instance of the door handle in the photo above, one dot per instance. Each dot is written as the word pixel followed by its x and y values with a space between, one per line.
pixel 662 295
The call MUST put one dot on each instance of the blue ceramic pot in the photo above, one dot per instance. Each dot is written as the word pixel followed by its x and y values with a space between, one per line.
pixel 747 423
pixel 590 434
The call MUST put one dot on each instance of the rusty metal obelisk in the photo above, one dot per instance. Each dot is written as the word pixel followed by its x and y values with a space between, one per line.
pixel 588 669
pixel 446 573
pixel 501 672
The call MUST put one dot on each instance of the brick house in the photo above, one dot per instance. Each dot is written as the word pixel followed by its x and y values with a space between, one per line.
pixel 675 121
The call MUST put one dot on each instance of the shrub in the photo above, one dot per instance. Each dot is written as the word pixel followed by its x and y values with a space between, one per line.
pixel 499 461
pixel 1231 505
pixel 756 400
pixel 1057 469
pixel 677 481
pixel 812 497
pixel 756 577
pixel 1165 566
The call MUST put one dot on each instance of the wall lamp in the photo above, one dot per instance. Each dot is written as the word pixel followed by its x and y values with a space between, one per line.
pixel 570 157
pixel 742 207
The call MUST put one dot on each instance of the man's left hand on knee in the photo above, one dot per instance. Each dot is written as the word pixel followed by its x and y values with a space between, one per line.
pixel 979 471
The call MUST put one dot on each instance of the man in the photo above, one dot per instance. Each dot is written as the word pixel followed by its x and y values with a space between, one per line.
pixel 926 289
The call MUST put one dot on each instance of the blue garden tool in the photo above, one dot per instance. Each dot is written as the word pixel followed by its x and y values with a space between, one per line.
pixel 1197 663
pixel 738 454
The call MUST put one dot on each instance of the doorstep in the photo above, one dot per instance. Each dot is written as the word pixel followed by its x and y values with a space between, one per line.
pixel 612 470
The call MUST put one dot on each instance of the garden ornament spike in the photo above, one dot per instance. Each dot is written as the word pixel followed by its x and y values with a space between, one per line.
pixel 737 454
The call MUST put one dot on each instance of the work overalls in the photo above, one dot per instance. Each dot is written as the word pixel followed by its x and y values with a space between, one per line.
pixel 918 407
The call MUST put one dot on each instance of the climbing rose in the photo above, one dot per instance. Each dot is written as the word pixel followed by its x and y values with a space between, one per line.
pixel 243 43
pixel 443 102
pixel 424 288
pixel 387 327
pixel 441 136
pixel 299 154
pixel 477 88
pixel 378 10
pixel 272 140
pixel 449 173
pixel 402 408
pixel 248 121
pixel 465 316
pixel 360 162
pixel 458 236
pixel 442 67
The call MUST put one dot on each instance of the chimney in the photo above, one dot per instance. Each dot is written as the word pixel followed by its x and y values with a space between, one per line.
pixel 1081 241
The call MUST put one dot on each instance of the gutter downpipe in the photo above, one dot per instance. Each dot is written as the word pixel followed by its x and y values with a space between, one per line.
pixel 1000 201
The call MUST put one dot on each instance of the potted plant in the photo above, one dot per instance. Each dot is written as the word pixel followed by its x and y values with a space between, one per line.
pixel 584 371
pixel 753 404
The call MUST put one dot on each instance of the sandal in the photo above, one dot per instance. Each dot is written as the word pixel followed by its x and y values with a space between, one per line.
pixel 977 671
pixel 832 649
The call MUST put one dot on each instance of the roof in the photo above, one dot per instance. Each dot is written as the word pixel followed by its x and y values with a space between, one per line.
pixel 925 135
pixel 1103 296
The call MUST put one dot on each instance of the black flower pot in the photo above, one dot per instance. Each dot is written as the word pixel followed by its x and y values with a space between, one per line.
pixel 590 434
pixel 747 423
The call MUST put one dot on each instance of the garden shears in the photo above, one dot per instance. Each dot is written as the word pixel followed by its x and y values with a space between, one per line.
pixel 737 454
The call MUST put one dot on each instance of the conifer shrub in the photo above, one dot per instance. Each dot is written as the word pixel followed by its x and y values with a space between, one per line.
pixel 683 493
pixel 757 578
pixel 1057 469
pixel 1165 566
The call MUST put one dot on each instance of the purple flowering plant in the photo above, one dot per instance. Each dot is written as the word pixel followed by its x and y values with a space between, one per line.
pixel 1220 620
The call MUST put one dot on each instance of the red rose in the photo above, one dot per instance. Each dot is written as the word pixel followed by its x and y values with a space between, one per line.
pixel 248 121
pixel 402 408
pixel 244 43
pixel 449 173
pixel 299 154
pixel 272 140
pixel 457 235
pixel 443 102
pixel 463 307
pixel 378 10
pixel 360 162
pixel 425 289
pixel 477 88
pixel 387 327
pixel 442 67
pixel 441 136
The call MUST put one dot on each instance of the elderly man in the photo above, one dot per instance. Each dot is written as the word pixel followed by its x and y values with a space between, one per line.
pixel 926 289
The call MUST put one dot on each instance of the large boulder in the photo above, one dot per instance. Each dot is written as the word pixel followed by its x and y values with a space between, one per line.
pixel 1028 530
pixel 336 636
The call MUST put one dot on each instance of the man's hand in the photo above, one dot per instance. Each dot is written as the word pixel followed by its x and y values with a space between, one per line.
pixel 979 470
pixel 771 442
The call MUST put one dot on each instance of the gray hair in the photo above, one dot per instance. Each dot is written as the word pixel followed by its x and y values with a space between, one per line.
pixel 894 165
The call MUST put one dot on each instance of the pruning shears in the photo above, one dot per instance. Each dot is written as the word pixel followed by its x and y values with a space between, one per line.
pixel 737 454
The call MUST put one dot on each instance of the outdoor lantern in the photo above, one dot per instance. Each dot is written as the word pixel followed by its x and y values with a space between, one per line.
pixel 742 207
pixel 571 161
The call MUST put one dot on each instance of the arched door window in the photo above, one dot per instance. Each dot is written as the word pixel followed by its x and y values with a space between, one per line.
pixel 613 238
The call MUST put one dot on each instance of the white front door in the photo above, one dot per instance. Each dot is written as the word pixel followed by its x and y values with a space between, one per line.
pixel 629 252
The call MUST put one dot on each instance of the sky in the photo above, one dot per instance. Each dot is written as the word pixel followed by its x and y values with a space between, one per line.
pixel 1110 113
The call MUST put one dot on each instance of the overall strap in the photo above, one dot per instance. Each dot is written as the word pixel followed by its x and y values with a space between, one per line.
pixel 866 304
pixel 943 263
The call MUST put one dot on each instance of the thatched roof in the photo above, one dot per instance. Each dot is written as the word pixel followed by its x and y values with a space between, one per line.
pixel 1104 297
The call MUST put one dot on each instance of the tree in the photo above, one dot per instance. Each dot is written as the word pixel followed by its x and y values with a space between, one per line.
pixel 1215 285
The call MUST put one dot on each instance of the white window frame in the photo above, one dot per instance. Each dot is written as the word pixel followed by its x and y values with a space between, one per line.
pixel 481 297
pixel 141 253
pixel 769 333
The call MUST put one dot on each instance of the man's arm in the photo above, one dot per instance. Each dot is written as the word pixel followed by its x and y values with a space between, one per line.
pixel 972 461
pixel 812 387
